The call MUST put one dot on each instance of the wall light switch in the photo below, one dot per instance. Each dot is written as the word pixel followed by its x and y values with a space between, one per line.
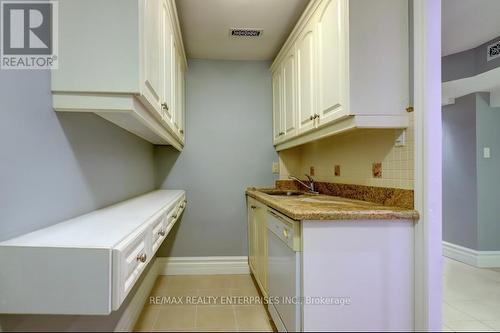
pixel 486 152
pixel 276 167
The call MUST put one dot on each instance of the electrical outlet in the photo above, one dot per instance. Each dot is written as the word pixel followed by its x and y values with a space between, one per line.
pixel 401 139
pixel 276 167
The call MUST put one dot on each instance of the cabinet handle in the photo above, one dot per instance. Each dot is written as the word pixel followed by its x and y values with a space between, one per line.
pixel 174 216
pixel 161 233
pixel 164 106
pixel 316 115
pixel 253 207
pixel 181 131
pixel 285 233
pixel 142 257
pixel 312 117
pixel 281 133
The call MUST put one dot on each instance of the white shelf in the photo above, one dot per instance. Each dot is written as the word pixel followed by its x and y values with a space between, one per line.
pixel 89 264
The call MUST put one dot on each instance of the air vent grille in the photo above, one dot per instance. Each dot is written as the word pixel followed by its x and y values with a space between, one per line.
pixel 252 33
pixel 493 51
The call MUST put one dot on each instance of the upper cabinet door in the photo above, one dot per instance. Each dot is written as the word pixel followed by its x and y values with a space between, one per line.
pixel 179 107
pixel 305 53
pixel 289 96
pixel 331 62
pixel 277 109
pixel 153 52
pixel 167 64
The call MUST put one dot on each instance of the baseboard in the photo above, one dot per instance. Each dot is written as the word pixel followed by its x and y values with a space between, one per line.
pixel 134 307
pixel 203 265
pixel 481 259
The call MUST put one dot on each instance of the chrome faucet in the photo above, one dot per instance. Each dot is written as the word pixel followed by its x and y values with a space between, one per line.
pixel 309 187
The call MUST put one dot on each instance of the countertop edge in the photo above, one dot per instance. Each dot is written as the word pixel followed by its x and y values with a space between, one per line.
pixel 374 215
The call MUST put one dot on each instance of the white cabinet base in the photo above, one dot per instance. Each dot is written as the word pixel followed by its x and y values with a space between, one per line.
pixel 124 110
pixel 369 263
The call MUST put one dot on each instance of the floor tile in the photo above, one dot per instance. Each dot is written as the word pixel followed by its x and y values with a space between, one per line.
pixel 147 319
pixel 477 310
pixel 218 317
pixel 468 326
pixel 252 317
pixel 452 314
pixel 176 318
pixel 494 324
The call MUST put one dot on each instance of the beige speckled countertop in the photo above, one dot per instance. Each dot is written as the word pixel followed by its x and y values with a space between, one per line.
pixel 325 207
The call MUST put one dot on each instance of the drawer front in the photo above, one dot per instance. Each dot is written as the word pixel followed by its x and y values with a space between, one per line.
pixel 158 231
pixel 130 260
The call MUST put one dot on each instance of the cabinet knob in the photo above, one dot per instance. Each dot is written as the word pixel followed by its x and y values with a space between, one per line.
pixel 161 233
pixel 312 117
pixel 181 131
pixel 281 133
pixel 316 115
pixel 164 106
pixel 142 257
pixel 253 207
pixel 174 216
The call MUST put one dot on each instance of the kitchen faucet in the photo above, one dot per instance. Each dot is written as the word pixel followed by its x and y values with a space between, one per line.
pixel 309 187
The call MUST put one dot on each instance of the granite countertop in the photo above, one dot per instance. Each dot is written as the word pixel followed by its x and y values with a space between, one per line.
pixel 304 206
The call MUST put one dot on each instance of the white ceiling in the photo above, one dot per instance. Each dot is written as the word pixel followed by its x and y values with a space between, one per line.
pixel 468 23
pixel 205 27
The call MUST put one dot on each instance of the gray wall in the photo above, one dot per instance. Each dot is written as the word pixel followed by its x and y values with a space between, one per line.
pixel 468 63
pixel 229 147
pixel 488 172
pixel 57 166
pixel 459 173
pixel 471 183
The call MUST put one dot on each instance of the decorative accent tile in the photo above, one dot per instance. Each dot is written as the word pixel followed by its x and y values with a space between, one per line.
pixel 377 170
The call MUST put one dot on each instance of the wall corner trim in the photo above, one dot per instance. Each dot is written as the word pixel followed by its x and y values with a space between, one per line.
pixel 203 265
pixel 480 259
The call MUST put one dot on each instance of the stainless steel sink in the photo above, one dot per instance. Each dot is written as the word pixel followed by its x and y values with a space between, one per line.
pixel 282 193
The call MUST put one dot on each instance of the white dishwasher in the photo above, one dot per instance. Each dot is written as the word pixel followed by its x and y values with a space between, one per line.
pixel 284 272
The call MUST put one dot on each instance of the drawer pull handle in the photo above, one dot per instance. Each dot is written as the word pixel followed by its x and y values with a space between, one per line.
pixel 142 257
pixel 161 233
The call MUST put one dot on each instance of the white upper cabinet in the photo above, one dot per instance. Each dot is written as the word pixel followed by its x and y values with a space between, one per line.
pixel 343 78
pixel 125 72
pixel 153 25
pixel 168 64
pixel 306 78
pixel 289 115
pixel 278 131
pixel 331 71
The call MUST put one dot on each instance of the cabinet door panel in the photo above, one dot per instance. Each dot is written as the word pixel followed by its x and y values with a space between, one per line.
pixel 289 94
pixel 331 64
pixel 305 79
pixel 277 109
pixel 152 52
pixel 167 77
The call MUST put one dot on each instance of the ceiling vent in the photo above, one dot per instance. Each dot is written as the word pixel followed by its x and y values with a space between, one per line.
pixel 253 33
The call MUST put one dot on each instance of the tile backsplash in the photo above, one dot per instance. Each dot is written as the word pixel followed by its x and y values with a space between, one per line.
pixel 356 154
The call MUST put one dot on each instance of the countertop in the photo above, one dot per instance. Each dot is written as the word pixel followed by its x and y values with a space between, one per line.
pixel 304 206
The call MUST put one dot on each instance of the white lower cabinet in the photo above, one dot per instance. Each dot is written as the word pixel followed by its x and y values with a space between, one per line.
pixel 87 265
pixel 352 274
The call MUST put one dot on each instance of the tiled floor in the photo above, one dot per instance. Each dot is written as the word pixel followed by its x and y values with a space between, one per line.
pixel 471 298
pixel 215 314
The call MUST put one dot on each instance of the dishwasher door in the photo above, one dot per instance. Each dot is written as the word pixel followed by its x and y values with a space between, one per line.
pixel 284 275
